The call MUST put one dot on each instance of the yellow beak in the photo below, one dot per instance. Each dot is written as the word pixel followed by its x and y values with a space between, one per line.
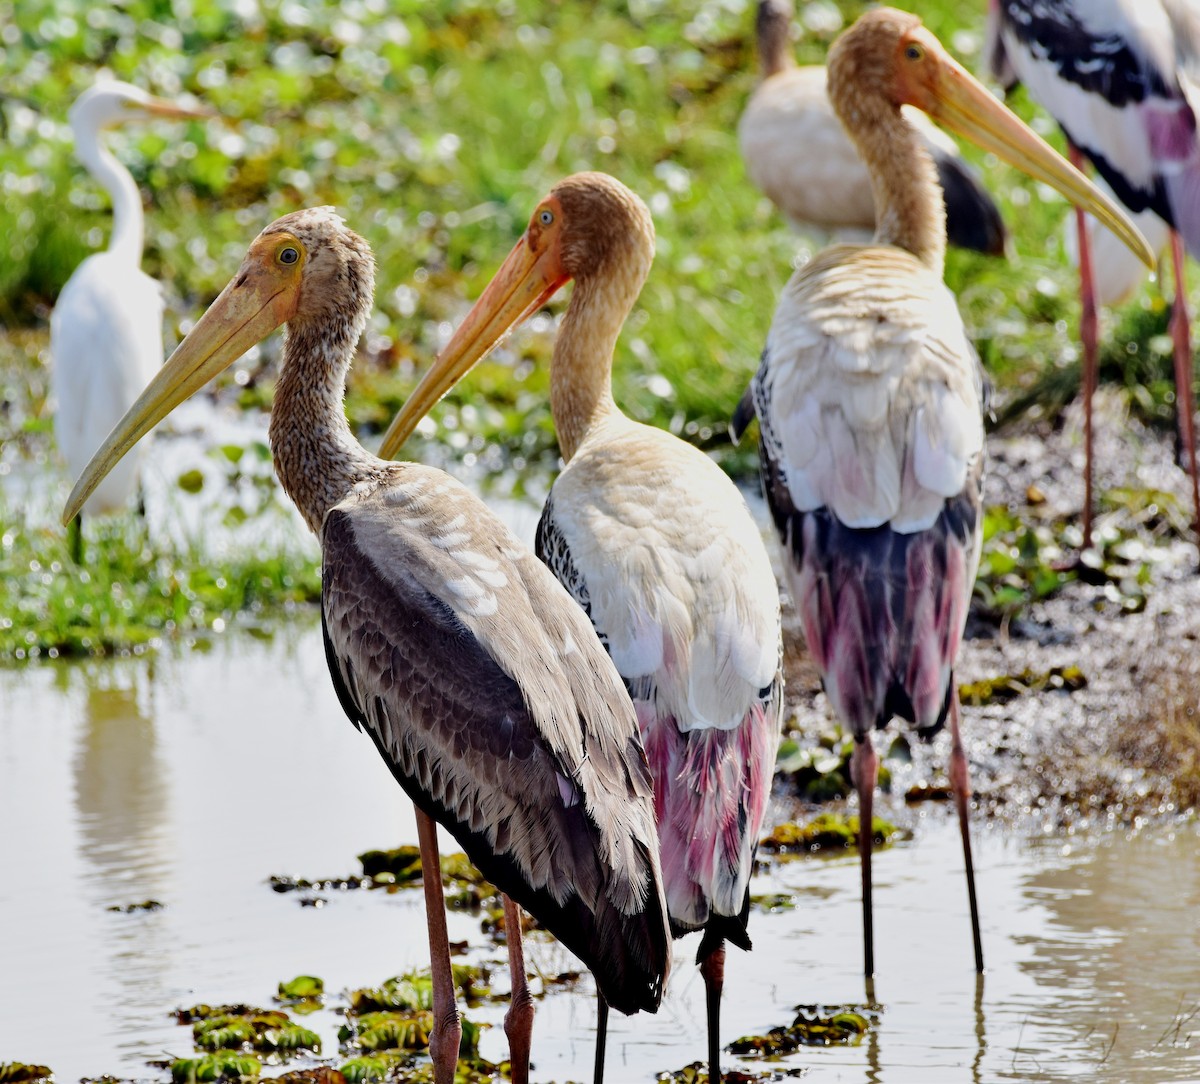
pixel 160 107
pixel 953 97
pixel 253 305
pixel 525 282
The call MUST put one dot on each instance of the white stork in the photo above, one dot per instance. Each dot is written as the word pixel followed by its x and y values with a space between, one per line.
pixel 799 155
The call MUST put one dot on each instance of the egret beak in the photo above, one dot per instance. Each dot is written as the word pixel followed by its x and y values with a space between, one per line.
pixel 950 95
pixel 253 305
pixel 525 282
pixel 160 107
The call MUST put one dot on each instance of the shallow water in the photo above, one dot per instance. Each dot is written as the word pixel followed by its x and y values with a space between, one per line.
pixel 192 777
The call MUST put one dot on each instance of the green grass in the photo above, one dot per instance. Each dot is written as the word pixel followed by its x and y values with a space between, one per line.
pixel 435 126
pixel 129 597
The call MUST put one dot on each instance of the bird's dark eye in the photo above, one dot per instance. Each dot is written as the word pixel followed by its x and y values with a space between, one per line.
pixel 289 255
pixel 914 52
pixel 545 216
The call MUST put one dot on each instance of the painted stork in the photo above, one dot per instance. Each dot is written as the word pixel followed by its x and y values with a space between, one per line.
pixel 1114 75
pixel 483 686
pixel 657 545
pixel 869 399
pixel 106 328
pixel 798 154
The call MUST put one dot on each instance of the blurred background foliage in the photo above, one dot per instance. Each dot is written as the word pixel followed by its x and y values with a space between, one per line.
pixel 435 126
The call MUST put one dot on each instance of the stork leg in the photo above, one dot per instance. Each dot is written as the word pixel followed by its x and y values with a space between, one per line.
pixel 1089 337
pixel 712 969
pixel 446 1036
pixel 864 768
pixel 1186 403
pixel 518 1021
pixel 960 782
pixel 601 1037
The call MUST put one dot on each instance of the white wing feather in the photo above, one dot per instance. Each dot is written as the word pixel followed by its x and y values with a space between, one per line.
pixel 105 345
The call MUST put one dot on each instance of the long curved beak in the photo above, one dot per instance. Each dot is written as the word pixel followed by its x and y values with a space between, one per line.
pixel 252 306
pixel 524 283
pixel 957 100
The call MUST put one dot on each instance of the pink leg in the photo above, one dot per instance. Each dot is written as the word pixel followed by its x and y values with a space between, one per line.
pixel 960 782
pixel 864 769
pixel 447 1027
pixel 712 969
pixel 1186 407
pixel 1089 337
pixel 518 1021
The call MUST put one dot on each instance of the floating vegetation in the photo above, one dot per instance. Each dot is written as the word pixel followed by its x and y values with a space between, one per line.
pixel 131 908
pixel 697 1073
pixel 774 902
pixel 821 772
pixel 826 831
pixel 245 1027
pixel 814 1025
pixel 17 1072
pixel 322 1074
pixel 401 864
pixel 1000 690
pixel 414 991
pixel 222 1066
pixel 303 994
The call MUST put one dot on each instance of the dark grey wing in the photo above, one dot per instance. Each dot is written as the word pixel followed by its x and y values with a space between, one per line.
pixel 461 736
pixel 972 218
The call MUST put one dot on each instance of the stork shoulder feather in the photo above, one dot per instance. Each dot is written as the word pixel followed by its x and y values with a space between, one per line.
pixel 678 580
pixel 869 391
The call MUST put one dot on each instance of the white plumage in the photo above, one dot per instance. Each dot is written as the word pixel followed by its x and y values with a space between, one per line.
pixel 106 328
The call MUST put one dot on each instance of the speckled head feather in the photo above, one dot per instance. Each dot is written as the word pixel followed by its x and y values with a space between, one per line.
pixel 339 274
pixel 604 223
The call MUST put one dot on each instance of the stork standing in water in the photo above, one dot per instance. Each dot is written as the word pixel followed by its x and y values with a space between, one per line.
pixel 869 399
pixel 479 680
pixel 799 155
pixel 106 328
pixel 1112 74
pixel 657 545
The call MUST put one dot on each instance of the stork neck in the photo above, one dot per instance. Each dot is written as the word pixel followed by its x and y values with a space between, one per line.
pixel 581 365
pixel 773 34
pixel 317 459
pixel 128 222
pixel 909 207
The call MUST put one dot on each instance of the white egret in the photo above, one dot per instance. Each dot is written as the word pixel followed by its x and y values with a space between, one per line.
pixel 106 329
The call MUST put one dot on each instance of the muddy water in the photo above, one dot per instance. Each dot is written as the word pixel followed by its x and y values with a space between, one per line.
pixel 193 777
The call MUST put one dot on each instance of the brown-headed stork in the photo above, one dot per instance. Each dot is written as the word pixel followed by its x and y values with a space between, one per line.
pixel 476 675
pixel 657 545
pixel 798 154
pixel 870 404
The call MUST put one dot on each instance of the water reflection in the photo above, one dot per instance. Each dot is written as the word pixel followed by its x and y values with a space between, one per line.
pixel 194 778
pixel 124 844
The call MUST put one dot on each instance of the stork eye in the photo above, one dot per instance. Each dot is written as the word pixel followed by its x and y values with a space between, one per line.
pixel 545 216
pixel 914 52
pixel 289 255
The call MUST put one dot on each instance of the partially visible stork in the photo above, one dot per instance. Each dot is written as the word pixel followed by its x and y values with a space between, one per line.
pixel 1114 75
pixel 476 675
pixel 869 399
pixel 106 327
pixel 798 154
pixel 657 545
